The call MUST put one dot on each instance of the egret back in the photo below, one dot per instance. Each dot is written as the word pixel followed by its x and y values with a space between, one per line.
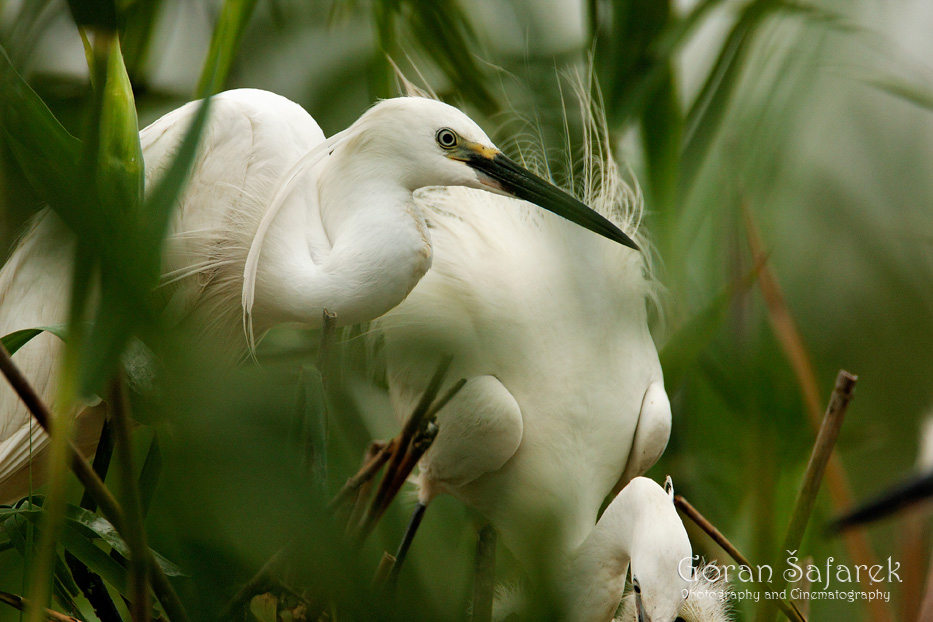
pixel 251 138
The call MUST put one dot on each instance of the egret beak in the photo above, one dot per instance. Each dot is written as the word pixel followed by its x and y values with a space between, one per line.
pixel 502 174
pixel 899 496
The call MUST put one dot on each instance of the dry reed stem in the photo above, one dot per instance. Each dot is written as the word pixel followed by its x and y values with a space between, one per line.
pixel 18 602
pixel 819 458
pixel 385 492
pixel 791 342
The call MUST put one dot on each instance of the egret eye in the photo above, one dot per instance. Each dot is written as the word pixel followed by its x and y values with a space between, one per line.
pixel 446 138
pixel 636 587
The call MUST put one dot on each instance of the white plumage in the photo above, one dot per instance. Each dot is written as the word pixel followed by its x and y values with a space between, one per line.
pixel 276 225
pixel 548 324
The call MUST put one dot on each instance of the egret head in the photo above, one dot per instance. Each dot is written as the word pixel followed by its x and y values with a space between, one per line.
pixel 661 556
pixel 434 144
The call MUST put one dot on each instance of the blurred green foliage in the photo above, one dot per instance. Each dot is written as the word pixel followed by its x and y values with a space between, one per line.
pixel 808 114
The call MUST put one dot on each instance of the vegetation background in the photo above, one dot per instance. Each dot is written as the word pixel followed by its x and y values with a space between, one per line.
pixel 809 122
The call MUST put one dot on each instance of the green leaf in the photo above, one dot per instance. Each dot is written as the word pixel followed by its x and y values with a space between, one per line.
pixel 163 197
pixel 913 92
pixel 47 154
pixel 17 339
pixel 149 476
pixel 81 519
pixel 224 44
pixel 711 104
pixel 265 607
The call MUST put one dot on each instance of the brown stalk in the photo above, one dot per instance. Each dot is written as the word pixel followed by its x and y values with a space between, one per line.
pixel 819 458
pixel 791 342
pixel 18 602
pixel 400 449
pixel 377 455
pixel 93 485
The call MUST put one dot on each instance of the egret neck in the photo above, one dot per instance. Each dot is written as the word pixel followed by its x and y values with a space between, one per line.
pixel 380 243
pixel 640 527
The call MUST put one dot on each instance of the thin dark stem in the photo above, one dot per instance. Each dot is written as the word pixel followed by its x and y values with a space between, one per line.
pixel 260 582
pixel 381 454
pixel 136 533
pixel 93 485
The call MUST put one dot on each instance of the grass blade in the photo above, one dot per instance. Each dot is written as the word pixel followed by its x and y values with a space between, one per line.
pixel 224 43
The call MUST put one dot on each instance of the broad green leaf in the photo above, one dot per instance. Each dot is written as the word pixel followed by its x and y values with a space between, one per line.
pixel 116 316
pixel 101 528
pixel 17 339
pixel 662 125
pixel 47 154
pixel 78 542
pixel 138 20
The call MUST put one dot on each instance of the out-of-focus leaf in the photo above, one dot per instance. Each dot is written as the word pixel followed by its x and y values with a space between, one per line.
pixel 442 30
pixel 149 476
pixel 624 36
pixel 47 154
pixel 113 154
pixel 265 607
pixel 917 94
pixel 712 102
pixel 224 44
pixel 685 346
pixel 17 339
pixel 111 329
pixel 662 125
pixel 161 201
pixel 138 20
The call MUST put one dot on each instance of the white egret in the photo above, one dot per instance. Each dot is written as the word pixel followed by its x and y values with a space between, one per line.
pixel 564 400
pixel 639 529
pixel 278 224
pixel 639 535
